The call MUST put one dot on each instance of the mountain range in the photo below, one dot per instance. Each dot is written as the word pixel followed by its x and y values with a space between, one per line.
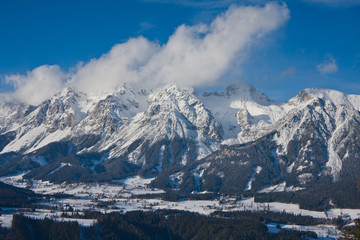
pixel 235 141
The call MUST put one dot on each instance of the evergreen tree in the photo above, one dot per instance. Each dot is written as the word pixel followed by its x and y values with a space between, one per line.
pixel 352 233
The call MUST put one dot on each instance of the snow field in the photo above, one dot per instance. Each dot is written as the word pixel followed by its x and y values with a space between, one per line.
pixel 323 231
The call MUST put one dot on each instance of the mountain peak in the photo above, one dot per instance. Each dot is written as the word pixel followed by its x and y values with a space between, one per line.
pixel 242 88
pixel 242 92
pixel 331 96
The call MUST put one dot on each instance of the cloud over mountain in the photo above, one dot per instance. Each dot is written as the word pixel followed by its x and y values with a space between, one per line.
pixel 194 56
pixel 37 85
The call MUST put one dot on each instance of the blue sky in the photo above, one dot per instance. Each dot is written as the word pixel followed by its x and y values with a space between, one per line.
pixel 318 45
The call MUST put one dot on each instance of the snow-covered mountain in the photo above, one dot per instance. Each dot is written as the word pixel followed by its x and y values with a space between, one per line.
pixel 233 140
pixel 152 131
pixel 311 143
pixel 321 129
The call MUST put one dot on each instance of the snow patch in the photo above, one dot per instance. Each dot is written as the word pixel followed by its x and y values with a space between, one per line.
pixel 275 188
pixel 135 182
pixel 290 168
pixel 176 179
pixel 256 170
pixel 161 155
pixel 39 160
pixel 197 180
pixel 304 178
pixel 322 231
pixel 5 220
pixel 60 167
pixel 334 162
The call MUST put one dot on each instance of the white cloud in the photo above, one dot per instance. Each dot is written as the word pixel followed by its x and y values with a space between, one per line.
pixel 39 84
pixel 328 66
pixel 122 64
pixel 288 72
pixel 194 56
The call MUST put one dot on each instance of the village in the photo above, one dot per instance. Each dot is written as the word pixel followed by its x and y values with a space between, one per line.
pixel 70 202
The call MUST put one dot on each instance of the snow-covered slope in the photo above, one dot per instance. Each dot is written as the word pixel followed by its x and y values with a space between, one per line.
pixel 244 112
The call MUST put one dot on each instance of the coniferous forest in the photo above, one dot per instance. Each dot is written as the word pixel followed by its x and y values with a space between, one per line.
pixel 163 224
